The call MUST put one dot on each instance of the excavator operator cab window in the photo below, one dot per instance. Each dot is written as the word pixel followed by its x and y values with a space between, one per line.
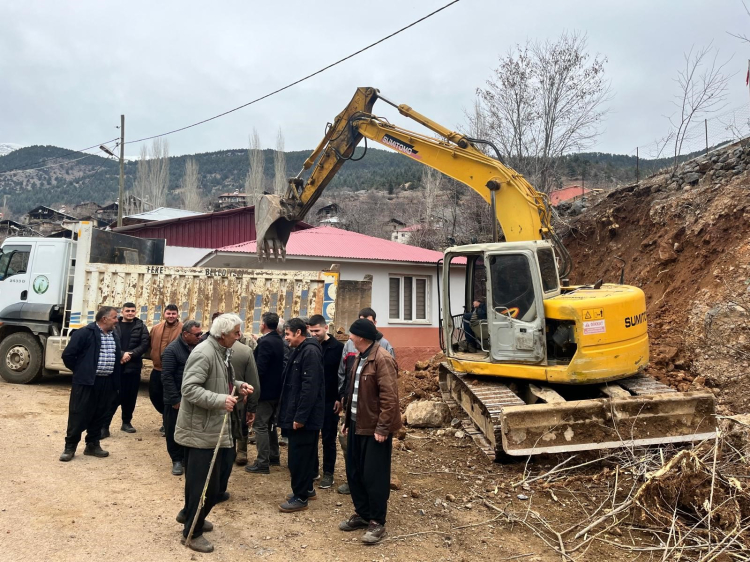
pixel 512 286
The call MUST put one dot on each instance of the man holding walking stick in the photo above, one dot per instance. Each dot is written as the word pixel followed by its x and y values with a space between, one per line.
pixel 208 387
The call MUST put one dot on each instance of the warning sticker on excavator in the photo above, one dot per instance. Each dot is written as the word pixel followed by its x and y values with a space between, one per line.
pixel 594 327
pixel 593 314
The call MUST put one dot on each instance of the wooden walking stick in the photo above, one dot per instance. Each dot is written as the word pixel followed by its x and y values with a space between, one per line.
pixel 208 478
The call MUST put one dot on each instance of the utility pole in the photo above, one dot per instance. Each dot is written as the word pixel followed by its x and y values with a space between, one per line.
pixel 122 170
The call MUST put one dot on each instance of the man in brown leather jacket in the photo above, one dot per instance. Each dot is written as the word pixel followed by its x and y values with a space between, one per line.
pixel 372 416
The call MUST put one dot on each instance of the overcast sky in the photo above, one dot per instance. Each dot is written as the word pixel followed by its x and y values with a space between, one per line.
pixel 69 69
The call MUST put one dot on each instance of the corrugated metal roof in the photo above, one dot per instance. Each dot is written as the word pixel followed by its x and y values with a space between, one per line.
pixel 329 242
pixel 203 230
pixel 163 214
pixel 566 194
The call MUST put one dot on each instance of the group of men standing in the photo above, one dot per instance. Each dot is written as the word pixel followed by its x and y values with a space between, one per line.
pixel 300 384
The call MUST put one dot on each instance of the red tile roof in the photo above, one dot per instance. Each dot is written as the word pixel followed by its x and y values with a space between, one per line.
pixel 329 242
pixel 566 193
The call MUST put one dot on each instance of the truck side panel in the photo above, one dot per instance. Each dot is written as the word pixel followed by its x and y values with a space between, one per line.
pixel 199 292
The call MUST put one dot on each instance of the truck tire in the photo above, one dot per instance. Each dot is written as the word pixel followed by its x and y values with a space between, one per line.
pixel 21 358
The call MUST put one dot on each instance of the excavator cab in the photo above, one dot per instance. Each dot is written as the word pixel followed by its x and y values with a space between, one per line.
pixel 510 282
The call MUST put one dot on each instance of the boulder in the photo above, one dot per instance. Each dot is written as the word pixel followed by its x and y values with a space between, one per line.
pixel 426 413
pixel 692 177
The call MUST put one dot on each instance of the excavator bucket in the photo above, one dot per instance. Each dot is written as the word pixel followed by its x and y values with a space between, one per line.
pixel 272 228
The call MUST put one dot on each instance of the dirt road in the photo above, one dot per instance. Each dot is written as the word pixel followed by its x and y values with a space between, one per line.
pixel 123 507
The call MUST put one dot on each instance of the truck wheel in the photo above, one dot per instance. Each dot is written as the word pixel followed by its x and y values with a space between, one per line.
pixel 21 358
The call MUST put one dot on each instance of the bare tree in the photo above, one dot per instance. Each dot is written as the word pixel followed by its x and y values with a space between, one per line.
pixel 158 173
pixel 255 176
pixel 702 91
pixel 140 187
pixel 545 100
pixel 189 188
pixel 279 164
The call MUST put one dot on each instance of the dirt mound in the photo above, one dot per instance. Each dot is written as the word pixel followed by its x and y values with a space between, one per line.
pixel 421 383
pixel 684 237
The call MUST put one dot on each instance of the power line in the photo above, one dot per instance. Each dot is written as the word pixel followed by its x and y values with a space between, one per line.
pixel 300 80
pixel 18 170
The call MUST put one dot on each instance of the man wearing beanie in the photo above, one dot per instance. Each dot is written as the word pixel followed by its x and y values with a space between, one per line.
pixel 372 416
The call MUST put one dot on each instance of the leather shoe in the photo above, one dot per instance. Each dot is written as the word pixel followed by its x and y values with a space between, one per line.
pixel 127 428
pixel 67 455
pixel 222 498
pixel 177 468
pixel 275 462
pixel 200 544
pixel 256 469
pixel 94 450
pixel 207 525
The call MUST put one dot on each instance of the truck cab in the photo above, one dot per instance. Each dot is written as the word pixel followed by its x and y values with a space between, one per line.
pixel 33 279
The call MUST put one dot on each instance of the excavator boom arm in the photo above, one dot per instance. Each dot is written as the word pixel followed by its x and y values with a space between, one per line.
pixel 522 211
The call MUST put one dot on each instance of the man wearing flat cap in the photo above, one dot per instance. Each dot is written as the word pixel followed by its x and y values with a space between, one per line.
pixel 372 416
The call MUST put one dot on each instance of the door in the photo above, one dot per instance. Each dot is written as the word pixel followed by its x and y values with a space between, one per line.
pixel 14 276
pixel 515 309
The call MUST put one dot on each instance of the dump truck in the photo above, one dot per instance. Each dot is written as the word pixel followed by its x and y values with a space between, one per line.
pixel 51 286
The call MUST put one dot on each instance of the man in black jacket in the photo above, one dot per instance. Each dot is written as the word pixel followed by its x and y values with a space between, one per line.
pixel 134 341
pixel 301 411
pixel 269 359
pixel 172 366
pixel 93 354
pixel 332 350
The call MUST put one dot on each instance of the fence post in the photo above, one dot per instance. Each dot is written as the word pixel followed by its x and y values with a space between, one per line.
pixel 637 175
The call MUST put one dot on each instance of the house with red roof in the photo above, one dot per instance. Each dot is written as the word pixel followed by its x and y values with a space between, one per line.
pixel 404 280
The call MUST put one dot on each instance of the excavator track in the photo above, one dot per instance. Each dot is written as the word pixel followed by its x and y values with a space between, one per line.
pixel 637 410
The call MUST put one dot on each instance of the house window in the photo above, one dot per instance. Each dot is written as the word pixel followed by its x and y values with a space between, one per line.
pixel 408 298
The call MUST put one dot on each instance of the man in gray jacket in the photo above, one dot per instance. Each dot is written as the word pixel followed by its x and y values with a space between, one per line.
pixel 207 395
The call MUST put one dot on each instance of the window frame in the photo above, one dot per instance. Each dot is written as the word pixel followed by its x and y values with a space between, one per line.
pixel 414 306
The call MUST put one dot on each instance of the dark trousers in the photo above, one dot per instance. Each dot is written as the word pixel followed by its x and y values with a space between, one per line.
pixel 328 439
pixel 197 462
pixel 126 397
pixel 88 410
pixel 225 470
pixel 266 439
pixel 303 446
pixel 368 470
pixel 156 391
pixel 175 450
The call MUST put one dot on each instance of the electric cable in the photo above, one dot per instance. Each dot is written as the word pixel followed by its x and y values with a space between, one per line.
pixel 19 170
pixel 256 100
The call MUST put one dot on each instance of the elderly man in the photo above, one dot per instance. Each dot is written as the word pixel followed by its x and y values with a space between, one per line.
pixel 93 354
pixel 372 416
pixel 134 341
pixel 301 411
pixel 348 355
pixel 207 394
pixel 173 362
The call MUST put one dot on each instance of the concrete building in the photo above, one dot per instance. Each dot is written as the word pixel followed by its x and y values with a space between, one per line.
pixel 402 282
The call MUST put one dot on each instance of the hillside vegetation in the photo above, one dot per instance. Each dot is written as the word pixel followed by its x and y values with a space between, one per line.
pixel 96 178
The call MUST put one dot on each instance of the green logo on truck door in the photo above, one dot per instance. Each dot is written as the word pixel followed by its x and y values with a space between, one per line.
pixel 40 285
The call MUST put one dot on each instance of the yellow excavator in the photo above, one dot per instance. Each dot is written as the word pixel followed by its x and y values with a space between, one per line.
pixel 537 365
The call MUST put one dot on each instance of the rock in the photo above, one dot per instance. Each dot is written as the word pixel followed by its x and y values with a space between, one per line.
pixel 692 177
pixel 450 497
pixel 522 497
pixel 426 413
pixel 401 433
pixel 422 512
pixel 415 493
pixel 460 434
pixel 395 483
pixel 440 432
pixel 455 423
pixel 422 365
